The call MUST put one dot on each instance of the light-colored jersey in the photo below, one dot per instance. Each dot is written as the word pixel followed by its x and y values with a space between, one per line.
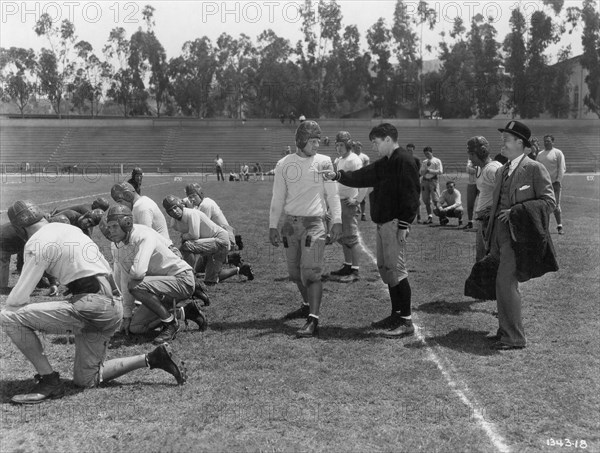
pixel 450 200
pixel 146 212
pixel 145 254
pixel 364 159
pixel 62 251
pixel 299 190
pixel 195 224
pixel 349 163
pixel 485 185
pixel 213 211
pixel 554 161
pixel 436 166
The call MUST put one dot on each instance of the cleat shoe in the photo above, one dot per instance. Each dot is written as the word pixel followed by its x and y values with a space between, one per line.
pixel 302 312
pixel 46 386
pixel 53 291
pixel 351 277
pixel 193 313
pixel 246 270
pixel 444 222
pixel 235 259
pixel 460 223
pixel 310 329
pixel 200 293
pixel 468 226
pixel 346 269
pixel 238 242
pixel 363 217
pixel 429 221
pixel 560 230
pixel 168 333
pixel 164 359
pixel 390 322
pixel 404 329
pixel 499 346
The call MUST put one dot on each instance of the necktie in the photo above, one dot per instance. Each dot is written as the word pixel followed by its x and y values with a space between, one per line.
pixel 505 172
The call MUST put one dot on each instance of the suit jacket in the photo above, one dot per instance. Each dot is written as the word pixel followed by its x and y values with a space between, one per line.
pixel 529 181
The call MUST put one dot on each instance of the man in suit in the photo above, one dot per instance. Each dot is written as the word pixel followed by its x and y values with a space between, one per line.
pixel 521 179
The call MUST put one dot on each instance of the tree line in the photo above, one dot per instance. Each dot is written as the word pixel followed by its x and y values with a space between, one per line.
pixel 327 73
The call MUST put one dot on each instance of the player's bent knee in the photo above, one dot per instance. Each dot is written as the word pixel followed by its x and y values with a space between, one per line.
pixel 138 329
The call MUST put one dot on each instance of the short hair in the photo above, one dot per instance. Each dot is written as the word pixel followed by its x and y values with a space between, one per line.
pixel 550 136
pixel 411 145
pixel 384 130
pixel 480 146
pixel 428 149
pixel 450 182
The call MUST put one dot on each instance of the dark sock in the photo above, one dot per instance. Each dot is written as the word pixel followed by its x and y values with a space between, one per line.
pixel 404 296
pixel 394 298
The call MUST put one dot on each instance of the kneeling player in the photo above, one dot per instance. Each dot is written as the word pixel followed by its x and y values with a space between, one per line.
pixel 152 274
pixel 202 237
pixel 93 313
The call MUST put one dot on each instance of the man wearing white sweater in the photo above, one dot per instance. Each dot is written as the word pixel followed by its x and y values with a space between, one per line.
pixel 302 196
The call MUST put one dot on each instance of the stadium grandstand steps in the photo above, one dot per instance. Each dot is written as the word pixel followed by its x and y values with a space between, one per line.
pixel 191 148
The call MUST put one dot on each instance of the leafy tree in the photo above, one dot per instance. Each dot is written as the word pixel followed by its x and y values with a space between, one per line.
pixel 486 61
pixel 378 38
pixel 55 64
pixel 590 40
pixel 122 86
pixel 192 75
pixel 90 79
pixel 354 70
pixel 17 67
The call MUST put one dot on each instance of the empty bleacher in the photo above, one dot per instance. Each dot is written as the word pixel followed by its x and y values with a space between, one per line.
pixel 189 146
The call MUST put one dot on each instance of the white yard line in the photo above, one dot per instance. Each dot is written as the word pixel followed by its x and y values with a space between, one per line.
pixel 86 196
pixel 453 379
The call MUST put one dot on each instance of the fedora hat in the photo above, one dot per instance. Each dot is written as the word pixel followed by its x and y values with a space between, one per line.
pixel 519 130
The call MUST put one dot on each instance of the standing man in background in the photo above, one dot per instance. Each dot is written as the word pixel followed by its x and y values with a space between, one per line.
pixel 554 161
pixel 219 168
pixel 411 149
pixel 303 196
pixel 136 180
pixel 431 170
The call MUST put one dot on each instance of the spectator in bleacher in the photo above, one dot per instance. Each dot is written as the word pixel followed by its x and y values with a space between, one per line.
pixel 244 172
pixel 411 149
pixel 302 118
pixel 234 176
pixel 219 168
pixel 450 205
pixel 136 179
pixel 554 160
pixel 282 118
pixel 431 170
pixel 478 150
pixel 472 170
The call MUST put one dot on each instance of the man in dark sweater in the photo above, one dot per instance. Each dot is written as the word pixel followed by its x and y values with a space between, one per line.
pixel 394 203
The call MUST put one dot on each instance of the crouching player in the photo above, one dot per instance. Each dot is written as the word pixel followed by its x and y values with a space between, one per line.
pixel 93 312
pixel 152 274
pixel 201 237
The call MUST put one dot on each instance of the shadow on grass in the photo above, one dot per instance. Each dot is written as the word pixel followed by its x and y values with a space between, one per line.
pixel 461 340
pixel 454 308
pixel 10 388
pixel 120 340
pixel 274 326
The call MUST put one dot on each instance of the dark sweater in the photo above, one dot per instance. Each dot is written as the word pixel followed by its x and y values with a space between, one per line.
pixel 395 182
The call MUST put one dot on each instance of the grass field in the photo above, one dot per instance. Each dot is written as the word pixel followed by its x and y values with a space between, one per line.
pixel 254 387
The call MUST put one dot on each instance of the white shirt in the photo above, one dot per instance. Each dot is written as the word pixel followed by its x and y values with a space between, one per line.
pixel 219 162
pixel 145 254
pixel 349 163
pixel 299 190
pixel 554 161
pixel 63 251
pixel 146 212
pixel 436 165
pixel 195 224
pixel 485 184
pixel 210 207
